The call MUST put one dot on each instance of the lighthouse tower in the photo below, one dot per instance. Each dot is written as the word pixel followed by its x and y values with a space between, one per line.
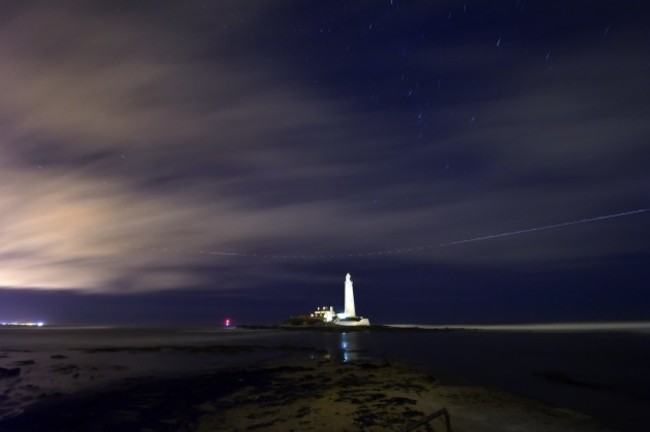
pixel 349 316
pixel 349 297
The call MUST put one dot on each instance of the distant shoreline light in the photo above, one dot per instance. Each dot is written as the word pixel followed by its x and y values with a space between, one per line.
pixel 23 324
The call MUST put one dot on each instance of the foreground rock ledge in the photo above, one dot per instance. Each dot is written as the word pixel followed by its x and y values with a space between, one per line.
pixel 316 395
pixel 375 396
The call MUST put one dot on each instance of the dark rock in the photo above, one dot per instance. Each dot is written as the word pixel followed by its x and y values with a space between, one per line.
pixel 7 373
pixel 302 412
pixel 65 368
pixel 401 401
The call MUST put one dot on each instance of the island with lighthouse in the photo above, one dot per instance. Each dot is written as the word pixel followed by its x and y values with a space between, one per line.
pixel 325 316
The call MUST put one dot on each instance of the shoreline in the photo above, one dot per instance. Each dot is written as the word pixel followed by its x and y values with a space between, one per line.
pixel 319 393
pixel 331 328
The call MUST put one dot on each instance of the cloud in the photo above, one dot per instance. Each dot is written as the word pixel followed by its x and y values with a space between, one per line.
pixel 129 150
pixel 122 162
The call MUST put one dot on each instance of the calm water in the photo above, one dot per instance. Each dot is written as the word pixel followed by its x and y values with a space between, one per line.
pixel 604 373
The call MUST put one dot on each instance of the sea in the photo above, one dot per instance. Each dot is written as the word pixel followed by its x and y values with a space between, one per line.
pixel 600 369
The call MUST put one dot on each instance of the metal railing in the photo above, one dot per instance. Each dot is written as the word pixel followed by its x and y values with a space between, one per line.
pixel 441 412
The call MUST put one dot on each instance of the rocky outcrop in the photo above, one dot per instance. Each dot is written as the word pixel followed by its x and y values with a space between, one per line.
pixel 8 373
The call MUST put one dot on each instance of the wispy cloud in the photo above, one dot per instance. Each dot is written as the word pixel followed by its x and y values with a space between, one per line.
pixel 128 149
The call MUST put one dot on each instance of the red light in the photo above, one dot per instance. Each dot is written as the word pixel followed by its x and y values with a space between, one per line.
pixel 227 322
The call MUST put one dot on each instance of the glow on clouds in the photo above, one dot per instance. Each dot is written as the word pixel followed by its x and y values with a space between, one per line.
pixel 128 141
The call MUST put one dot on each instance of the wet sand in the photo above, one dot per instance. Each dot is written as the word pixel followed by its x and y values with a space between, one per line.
pixel 319 394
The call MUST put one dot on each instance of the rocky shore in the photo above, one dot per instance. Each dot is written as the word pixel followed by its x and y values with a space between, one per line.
pixel 320 394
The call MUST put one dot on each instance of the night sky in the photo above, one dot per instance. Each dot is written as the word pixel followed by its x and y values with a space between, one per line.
pixel 183 162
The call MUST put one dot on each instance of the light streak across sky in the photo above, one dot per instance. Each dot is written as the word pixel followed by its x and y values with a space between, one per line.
pixel 327 256
pixel 547 227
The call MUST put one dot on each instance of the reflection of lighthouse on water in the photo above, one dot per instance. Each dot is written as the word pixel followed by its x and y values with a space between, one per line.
pixel 349 347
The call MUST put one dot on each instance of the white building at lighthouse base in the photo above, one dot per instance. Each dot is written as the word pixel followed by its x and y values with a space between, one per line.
pixel 356 321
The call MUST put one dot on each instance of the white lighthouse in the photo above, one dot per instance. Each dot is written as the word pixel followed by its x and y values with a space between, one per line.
pixel 349 297
pixel 349 316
